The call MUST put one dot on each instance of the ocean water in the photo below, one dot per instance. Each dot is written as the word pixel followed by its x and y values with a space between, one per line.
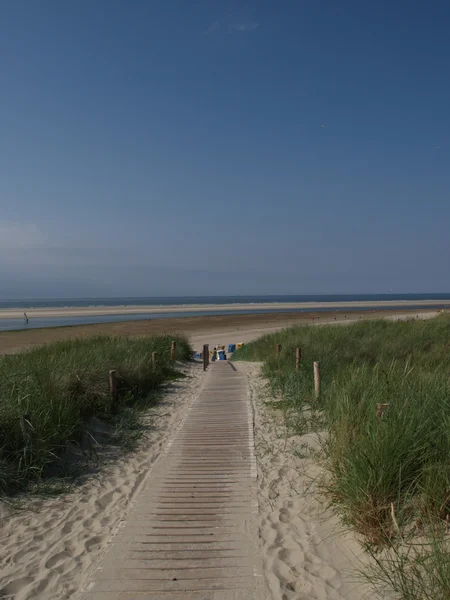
pixel 185 301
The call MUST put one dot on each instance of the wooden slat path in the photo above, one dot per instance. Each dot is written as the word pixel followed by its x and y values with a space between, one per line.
pixel 192 532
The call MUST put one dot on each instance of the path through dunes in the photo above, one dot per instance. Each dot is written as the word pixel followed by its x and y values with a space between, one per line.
pixel 192 532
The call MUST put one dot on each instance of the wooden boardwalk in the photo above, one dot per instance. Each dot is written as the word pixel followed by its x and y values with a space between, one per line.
pixel 192 532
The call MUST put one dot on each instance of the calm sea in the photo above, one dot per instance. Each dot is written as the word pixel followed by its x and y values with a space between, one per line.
pixel 185 301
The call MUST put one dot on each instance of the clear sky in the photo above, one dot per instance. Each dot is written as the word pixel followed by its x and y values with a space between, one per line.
pixel 164 147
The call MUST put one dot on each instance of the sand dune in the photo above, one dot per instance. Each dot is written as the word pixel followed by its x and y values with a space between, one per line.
pixel 48 549
pixel 306 553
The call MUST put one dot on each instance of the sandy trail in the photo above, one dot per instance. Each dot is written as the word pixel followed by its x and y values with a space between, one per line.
pixel 47 551
pixel 306 554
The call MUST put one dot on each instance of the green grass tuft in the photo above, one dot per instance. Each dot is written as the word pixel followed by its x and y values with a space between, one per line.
pixel 48 395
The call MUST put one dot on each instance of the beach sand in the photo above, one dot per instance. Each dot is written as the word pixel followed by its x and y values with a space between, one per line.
pixel 223 329
pixel 85 311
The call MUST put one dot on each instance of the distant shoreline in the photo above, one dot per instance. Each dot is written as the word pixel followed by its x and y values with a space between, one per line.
pixel 201 329
pixel 90 311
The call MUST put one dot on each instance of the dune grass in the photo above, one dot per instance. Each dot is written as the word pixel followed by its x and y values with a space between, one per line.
pixel 414 570
pixel 388 477
pixel 49 394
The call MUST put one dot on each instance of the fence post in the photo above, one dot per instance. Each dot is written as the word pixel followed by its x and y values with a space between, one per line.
pixel 278 348
pixel 113 388
pixel 172 350
pixel 317 378
pixel 154 361
pixel 298 357
pixel 205 356
pixel 380 410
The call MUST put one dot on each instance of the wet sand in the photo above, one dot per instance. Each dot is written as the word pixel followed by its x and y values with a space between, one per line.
pixel 90 311
pixel 201 330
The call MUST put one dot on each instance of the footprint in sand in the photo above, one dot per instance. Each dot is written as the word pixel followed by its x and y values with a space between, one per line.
pixel 66 567
pixel 105 500
pixel 289 587
pixel 72 548
pixel 25 553
pixel 14 587
pixel 285 516
pixel 55 560
pixel 93 525
pixel 94 543
pixel 45 583
pixel 293 558
pixel 67 527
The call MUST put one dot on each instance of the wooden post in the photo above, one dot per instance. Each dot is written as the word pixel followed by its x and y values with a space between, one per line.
pixel 205 356
pixel 298 357
pixel 154 361
pixel 380 410
pixel 278 349
pixel 317 378
pixel 113 388
pixel 172 350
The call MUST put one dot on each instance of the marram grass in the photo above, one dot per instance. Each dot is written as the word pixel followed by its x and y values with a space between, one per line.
pixel 389 478
pixel 48 394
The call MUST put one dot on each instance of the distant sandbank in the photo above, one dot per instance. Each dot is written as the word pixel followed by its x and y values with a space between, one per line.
pixel 85 311
pixel 215 329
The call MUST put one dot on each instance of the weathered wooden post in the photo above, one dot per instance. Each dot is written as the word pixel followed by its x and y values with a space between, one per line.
pixel 298 357
pixel 278 349
pixel 172 350
pixel 380 410
pixel 317 378
pixel 113 388
pixel 154 361
pixel 205 356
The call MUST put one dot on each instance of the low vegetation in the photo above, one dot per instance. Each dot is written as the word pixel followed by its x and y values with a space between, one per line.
pixel 389 473
pixel 49 395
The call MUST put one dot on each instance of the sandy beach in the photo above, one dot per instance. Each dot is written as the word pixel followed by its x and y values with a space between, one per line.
pixel 223 329
pixel 70 311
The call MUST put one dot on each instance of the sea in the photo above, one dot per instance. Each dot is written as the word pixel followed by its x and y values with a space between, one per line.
pixel 253 303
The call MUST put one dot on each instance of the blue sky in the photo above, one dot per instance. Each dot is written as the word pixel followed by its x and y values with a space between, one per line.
pixel 205 147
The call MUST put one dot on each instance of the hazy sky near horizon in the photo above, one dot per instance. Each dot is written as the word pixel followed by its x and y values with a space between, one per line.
pixel 195 147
